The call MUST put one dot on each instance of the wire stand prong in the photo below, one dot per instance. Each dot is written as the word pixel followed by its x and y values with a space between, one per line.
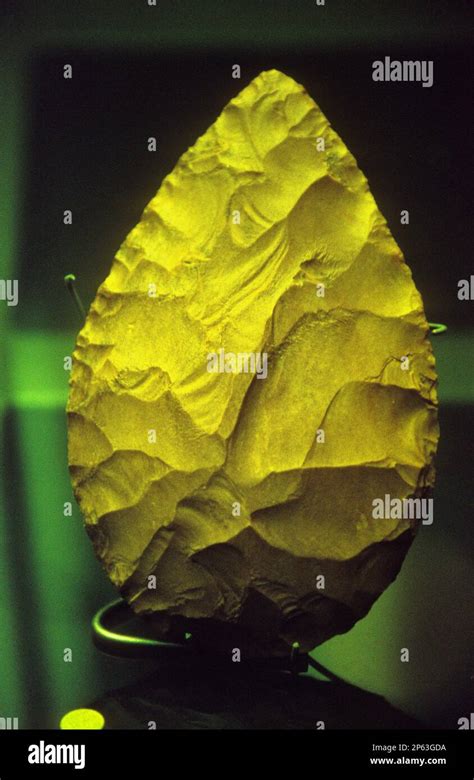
pixel 70 282
pixel 109 637
pixel 437 327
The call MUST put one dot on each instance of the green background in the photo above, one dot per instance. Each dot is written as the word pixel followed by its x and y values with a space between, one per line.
pixel 165 71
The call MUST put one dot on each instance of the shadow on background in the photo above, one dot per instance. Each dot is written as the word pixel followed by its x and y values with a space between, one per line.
pixel 177 697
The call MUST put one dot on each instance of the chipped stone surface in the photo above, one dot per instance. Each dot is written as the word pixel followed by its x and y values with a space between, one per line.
pixel 258 243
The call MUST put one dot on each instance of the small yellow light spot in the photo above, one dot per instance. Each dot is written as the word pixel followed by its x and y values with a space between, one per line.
pixel 82 719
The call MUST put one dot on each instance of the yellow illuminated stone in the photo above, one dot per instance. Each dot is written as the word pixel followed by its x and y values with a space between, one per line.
pixel 254 372
pixel 82 719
